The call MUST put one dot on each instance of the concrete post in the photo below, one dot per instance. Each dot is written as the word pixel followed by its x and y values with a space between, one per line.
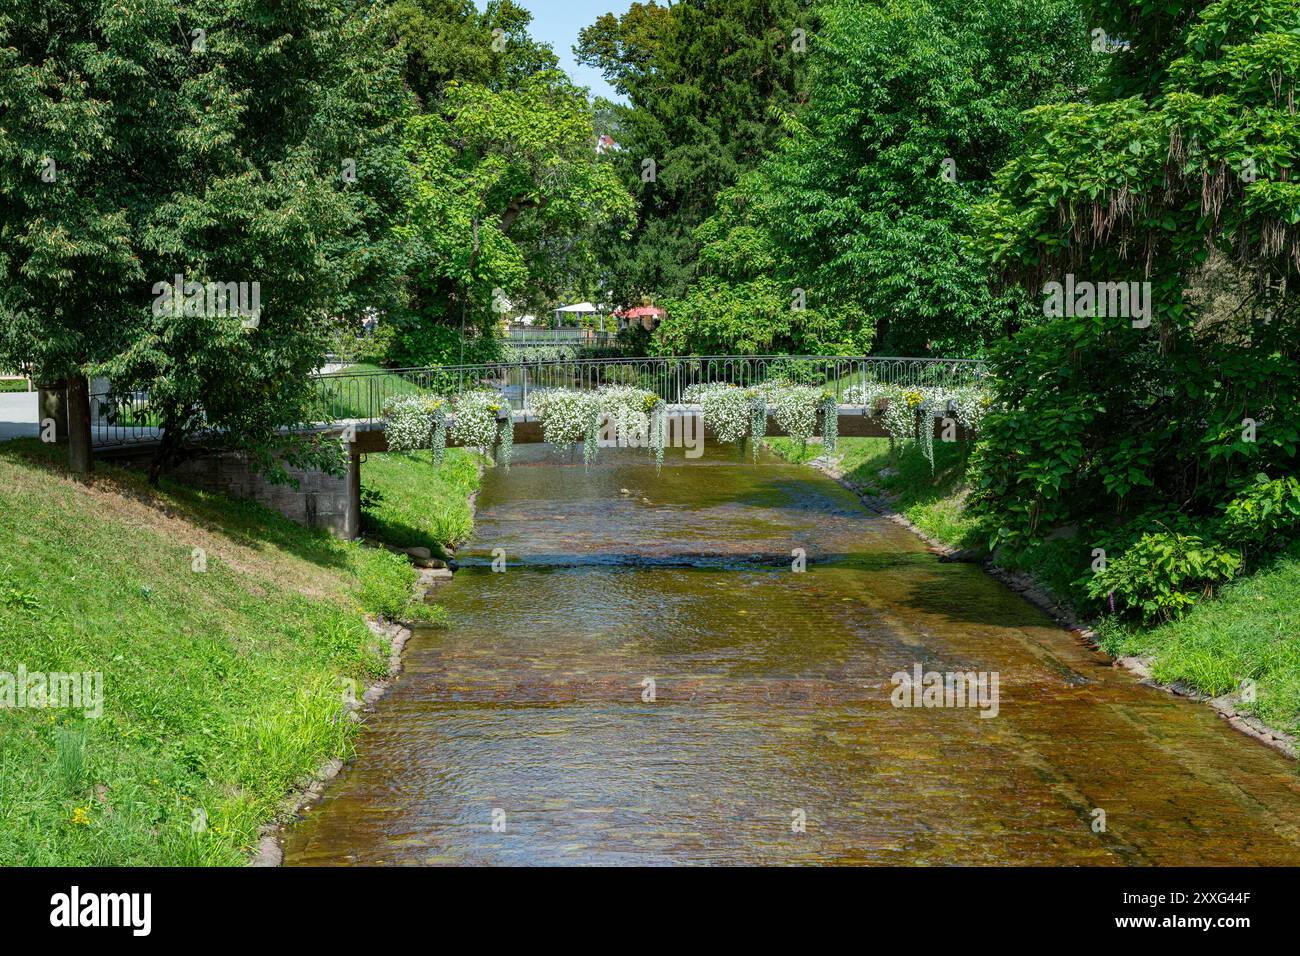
pixel 352 521
pixel 52 402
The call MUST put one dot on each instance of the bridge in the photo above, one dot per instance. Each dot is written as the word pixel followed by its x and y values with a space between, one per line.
pixel 353 400
pixel 356 398
pixel 351 403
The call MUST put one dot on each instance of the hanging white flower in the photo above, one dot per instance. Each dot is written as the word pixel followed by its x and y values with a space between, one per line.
pixel 474 420
pixel 416 421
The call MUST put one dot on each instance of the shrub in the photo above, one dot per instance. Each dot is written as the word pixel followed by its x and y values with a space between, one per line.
pixel 1265 516
pixel 1163 574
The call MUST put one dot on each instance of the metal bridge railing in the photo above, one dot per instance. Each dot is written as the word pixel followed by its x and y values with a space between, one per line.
pixel 119 418
pixel 361 395
pixel 560 336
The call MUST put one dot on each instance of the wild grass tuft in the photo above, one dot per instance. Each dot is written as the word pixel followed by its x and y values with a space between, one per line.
pixel 407 502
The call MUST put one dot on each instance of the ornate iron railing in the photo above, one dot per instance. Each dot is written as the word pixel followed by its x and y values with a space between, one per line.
pixel 361 395
pixel 119 418
pixel 124 417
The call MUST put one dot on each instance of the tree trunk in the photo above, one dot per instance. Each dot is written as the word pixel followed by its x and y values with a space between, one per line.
pixel 81 460
pixel 517 206
pixel 166 455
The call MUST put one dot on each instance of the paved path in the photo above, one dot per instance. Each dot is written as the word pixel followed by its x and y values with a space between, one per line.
pixel 18 415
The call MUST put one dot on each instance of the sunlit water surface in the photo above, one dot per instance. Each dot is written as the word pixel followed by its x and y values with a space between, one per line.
pixel 772 700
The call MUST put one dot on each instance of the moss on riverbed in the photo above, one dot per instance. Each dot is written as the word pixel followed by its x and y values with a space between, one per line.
pixel 224 669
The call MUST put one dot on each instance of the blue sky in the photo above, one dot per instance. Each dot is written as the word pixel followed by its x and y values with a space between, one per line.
pixel 557 22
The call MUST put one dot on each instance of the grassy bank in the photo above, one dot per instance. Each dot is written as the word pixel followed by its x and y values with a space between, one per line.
pixel 224 669
pixel 407 502
pixel 1251 631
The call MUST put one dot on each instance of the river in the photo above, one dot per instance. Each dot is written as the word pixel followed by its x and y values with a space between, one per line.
pixel 528 733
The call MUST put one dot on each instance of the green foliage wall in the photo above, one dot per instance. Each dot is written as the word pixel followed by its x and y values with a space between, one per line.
pixel 864 201
pixel 1106 420
pixel 707 84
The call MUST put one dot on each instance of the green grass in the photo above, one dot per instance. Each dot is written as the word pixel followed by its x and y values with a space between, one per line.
pixel 13 385
pixel 223 689
pixel 1250 632
pixel 931 501
pixel 360 397
pixel 407 502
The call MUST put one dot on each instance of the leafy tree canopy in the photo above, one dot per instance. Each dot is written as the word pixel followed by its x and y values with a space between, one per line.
pixel 222 142
pixel 452 40
pixel 707 82
pixel 1108 417
pixel 746 300
pixel 510 191
pixel 866 204
pixel 625 48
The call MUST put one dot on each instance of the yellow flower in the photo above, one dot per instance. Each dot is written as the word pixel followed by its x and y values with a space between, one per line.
pixel 81 816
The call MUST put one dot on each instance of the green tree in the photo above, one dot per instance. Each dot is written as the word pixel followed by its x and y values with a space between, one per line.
pixel 448 41
pixel 223 142
pixel 68 268
pixel 913 107
pixel 625 48
pixel 866 205
pixel 747 298
pixel 509 193
pixel 1110 416
pixel 707 81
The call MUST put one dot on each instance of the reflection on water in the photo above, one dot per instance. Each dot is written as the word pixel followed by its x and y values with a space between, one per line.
pixel 772 696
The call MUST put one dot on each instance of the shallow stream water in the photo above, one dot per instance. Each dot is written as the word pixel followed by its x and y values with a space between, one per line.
pixel 524 733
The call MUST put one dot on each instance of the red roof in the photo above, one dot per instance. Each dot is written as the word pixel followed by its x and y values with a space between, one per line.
pixel 641 311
